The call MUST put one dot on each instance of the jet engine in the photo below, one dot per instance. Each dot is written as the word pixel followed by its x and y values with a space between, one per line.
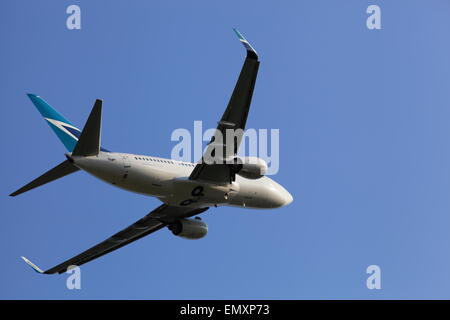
pixel 189 228
pixel 250 167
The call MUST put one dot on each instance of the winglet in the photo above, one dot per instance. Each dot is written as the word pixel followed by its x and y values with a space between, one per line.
pixel 32 265
pixel 251 52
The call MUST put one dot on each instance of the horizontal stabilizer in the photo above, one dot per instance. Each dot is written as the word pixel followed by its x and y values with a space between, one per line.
pixel 61 170
pixel 89 141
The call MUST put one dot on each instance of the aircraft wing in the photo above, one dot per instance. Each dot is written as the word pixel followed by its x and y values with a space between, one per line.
pixel 155 220
pixel 235 118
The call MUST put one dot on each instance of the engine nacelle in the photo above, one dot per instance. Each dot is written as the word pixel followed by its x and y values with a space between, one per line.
pixel 251 167
pixel 189 228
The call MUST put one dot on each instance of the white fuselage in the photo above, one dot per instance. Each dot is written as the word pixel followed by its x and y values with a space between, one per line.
pixel 169 181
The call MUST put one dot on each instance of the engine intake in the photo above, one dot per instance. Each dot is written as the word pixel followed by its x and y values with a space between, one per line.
pixel 250 167
pixel 189 228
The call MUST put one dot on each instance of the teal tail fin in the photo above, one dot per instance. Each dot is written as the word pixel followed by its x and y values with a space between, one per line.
pixel 66 132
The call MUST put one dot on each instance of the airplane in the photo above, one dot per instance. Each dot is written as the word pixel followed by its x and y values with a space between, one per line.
pixel 185 189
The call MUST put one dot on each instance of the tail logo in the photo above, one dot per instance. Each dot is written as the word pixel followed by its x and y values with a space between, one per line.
pixel 68 129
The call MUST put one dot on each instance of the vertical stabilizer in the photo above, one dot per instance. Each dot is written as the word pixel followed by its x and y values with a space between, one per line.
pixel 66 132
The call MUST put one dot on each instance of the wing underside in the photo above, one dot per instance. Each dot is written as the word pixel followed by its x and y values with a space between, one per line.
pixel 154 221
pixel 234 118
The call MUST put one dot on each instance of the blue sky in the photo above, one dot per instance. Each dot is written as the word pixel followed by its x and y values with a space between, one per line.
pixel 364 130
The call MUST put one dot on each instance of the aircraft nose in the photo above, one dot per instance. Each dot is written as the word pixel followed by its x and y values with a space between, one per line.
pixel 285 198
pixel 281 198
pixel 288 198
